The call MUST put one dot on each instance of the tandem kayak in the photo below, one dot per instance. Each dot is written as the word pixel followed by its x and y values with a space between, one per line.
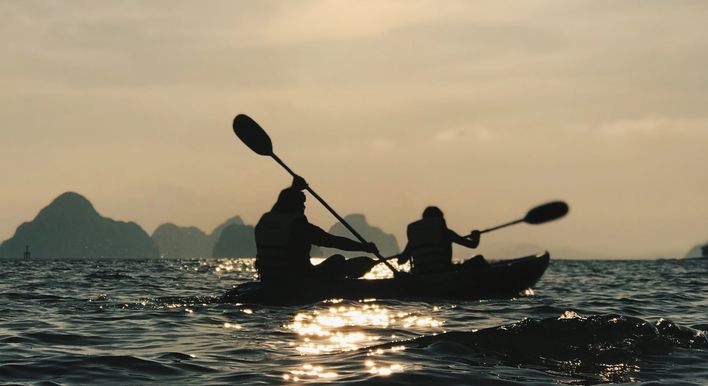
pixel 502 279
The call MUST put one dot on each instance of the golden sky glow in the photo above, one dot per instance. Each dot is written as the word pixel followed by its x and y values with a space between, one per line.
pixel 483 108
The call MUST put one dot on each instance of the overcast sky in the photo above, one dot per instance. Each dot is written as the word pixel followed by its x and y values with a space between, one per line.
pixel 482 108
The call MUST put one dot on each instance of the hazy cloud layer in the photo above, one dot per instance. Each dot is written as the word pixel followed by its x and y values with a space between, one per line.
pixel 384 106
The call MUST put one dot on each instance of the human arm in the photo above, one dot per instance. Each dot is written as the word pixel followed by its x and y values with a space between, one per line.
pixel 471 241
pixel 404 256
pixel 318 236
pixel 299 183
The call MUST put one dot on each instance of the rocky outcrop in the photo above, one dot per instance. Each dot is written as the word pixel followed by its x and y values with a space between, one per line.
pixel 237 240
pixel 189 242
pixel 697 251
pixel 70 227
pixel 316 251
pixel 181 242
pixel 216 233
pixel 386 242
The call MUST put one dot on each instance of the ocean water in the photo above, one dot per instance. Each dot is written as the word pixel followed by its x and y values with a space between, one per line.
pixel 161 322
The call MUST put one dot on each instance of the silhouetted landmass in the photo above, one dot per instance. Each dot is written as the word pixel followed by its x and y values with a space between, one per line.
pixel 316 251
pixel 216 233
pixel 386 242
pixel 188 242
pixel 236 240
pixel 697 250
pixel 70 227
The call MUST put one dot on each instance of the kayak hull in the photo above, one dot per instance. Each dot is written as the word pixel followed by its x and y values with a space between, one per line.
pixel 503 279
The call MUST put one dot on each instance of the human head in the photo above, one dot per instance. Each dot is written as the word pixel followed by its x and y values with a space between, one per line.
pixel 290 200
pixel 432 211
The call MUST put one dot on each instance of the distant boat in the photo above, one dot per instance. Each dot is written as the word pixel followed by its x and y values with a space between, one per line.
pixel 27 254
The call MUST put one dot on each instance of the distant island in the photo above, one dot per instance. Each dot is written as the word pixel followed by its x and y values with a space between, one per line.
pixel 386 242
pixel 176 241
pixel 236 240
pixel 70 227
pixel 700 250
pixel 189 242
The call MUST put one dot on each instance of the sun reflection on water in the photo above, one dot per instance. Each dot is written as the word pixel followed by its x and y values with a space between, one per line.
pixel 309 372
pixel 344 328
pixel 384 370
pixel 235 326
pixel 380 271
pixel 347 328
pixel 239 265
pixel 619 372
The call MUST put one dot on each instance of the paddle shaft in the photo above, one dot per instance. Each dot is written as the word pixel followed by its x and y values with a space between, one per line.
pixel 334 213
pixel 502 226
pixel 538 215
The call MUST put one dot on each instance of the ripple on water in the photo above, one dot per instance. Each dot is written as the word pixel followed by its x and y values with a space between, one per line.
pixel 135 322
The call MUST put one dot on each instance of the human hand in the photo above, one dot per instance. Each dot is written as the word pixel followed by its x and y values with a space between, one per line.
pixel 369 247
pixel 299 183
pixel 475 235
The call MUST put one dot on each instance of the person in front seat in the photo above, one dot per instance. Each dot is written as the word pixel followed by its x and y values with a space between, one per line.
pixel 284 237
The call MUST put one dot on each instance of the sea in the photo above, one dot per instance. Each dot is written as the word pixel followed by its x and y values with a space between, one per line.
pixel 134 322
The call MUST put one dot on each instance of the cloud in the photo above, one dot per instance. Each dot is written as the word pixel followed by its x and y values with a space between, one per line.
pixel 447 97
pixel 475 134
pixel 301 21
pixel 651 127
pixel 655 127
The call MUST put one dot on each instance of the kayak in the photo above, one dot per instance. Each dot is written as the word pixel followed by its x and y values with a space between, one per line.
pixel 502 279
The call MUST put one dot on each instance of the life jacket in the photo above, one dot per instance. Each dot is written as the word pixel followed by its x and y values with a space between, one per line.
pixel 280 254
pixel 429 245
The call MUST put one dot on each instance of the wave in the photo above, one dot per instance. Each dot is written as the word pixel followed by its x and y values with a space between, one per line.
pixel 111 368
pixel 598 348
pixel 108 275
pixel 54 338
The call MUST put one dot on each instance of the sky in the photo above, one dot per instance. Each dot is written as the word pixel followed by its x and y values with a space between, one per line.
pixel 484 109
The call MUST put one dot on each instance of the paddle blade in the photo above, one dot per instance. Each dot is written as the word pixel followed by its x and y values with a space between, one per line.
pixel 546 212
pixel 252 134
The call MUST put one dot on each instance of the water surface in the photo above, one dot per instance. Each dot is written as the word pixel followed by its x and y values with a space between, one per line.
pixel 160 321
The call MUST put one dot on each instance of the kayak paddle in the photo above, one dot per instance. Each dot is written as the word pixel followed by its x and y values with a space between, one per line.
pixel 538 215
pixel 253 135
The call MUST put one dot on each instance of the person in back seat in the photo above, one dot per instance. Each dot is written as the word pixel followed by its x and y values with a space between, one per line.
pixel 430 244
